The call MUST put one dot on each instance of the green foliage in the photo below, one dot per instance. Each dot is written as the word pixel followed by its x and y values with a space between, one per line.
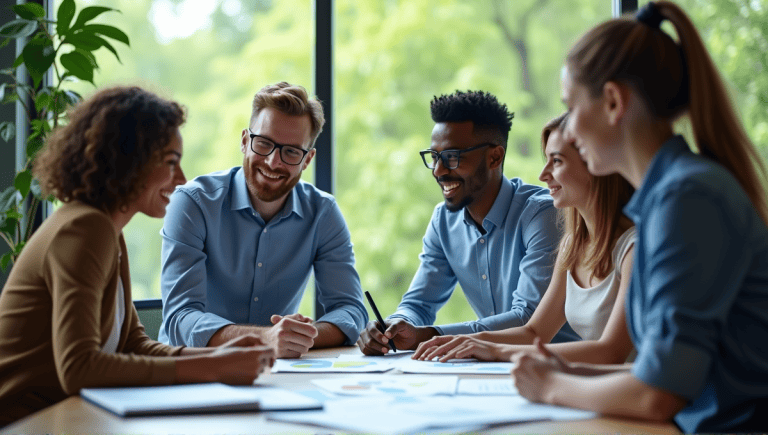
pixel 391 57
pixel 45 105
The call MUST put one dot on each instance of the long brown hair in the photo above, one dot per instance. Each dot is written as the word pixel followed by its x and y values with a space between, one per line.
pixel 673 79
pixel 608 195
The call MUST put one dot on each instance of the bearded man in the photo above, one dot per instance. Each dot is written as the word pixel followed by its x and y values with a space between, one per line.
pixel 239 245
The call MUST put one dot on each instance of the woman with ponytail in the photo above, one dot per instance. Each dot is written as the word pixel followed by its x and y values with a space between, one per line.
pixel 697 306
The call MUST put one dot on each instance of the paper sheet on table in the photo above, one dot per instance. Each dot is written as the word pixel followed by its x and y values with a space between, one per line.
pixel 487 387
pixel 368 385
pixel 330 365
pixel 465 367
pixel 407 414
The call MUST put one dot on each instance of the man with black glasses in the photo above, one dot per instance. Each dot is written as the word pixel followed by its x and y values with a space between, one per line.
pixel 239 245
pixel 494 236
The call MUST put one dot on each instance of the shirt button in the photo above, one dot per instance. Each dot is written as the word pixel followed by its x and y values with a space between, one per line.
pixel 256 299
pixel 265 230
pixel 259 264
pixel 485 277
pixel 482 241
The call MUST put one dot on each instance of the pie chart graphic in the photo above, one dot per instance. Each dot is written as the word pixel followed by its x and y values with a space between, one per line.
pixel 311 364
pixel 351 364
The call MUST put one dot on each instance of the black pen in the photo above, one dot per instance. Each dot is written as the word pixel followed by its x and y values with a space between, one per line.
pixel 382 325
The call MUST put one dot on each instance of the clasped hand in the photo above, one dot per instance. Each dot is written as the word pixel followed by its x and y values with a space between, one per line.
pixel 403 334
pixel 290 336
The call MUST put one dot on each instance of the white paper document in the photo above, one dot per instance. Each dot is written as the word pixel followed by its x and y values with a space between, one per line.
pixel 408 414
pixel 371 385
pixel 487 387
pixel 465 367
pixel 331 365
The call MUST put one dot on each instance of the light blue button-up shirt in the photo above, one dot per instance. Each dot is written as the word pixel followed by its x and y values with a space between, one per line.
pixel 503 273
pixel 222 264
pixel 697 305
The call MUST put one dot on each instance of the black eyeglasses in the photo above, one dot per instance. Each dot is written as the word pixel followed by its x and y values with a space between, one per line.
pixel 263 146
pixel 450 158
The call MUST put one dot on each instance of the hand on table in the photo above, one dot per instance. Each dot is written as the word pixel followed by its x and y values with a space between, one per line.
pixel 449 347
pixel 290 336
pixel 533 371
pixel 404 335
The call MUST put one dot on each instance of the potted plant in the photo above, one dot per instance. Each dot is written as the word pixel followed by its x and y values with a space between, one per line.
pixel 66 47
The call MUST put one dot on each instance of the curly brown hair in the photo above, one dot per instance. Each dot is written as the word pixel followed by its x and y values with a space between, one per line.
pixel 105 153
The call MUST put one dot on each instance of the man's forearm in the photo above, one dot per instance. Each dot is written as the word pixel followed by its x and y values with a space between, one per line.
pixel 328 335
pixel 229 332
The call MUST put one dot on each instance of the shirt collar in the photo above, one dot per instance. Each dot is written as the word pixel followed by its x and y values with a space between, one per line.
pixel 241 199
pixel 500 208
pixel 668 152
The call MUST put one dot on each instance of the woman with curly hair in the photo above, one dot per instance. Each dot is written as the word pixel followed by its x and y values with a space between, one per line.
pixel 66 317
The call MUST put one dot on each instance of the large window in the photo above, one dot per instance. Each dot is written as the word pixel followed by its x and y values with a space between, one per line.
pixel 390 58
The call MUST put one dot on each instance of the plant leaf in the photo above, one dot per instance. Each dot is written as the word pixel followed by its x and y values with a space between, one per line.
pixel 19 60
pixel 78 65
pixel 18 28
pixel 7 130
pixel 14 215
pixel 64 17
pixel 29 11
pixel 22 182
pixel 87 14
pixel 38 57
pixel 84 41
pixel 109 47
pixel 108 31
pixel 4 42
pixel 43 101
pixel 4 260
pixel 34 144
pixel 9 199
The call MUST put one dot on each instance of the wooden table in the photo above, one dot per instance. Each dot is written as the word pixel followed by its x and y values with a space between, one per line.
pixel 75 415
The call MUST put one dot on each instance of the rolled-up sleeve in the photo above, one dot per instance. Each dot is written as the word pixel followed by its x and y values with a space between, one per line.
pixel 336 280
pixel 183 279
pixel 687 275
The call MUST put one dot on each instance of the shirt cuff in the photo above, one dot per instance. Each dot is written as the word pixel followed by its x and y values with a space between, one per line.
pixel 348 328
pixel 674 366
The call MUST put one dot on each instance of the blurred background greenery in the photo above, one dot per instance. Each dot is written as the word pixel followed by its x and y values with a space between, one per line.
pixel 391 58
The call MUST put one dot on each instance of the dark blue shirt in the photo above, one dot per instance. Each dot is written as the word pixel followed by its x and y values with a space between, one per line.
pixel 697 305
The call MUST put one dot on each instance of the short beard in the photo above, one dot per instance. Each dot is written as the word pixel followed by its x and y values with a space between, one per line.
pixel 458 206
pixel 271 195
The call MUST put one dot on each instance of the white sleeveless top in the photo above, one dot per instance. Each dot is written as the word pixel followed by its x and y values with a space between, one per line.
pixel 114 337
pixel 588 309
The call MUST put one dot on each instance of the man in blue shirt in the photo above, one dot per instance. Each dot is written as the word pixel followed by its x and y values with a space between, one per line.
pixel 494 236
pixel 239 245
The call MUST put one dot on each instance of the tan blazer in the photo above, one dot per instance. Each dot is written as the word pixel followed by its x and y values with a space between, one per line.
pixel 57 310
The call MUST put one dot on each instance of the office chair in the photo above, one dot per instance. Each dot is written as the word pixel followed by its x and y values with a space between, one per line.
pixel 150 315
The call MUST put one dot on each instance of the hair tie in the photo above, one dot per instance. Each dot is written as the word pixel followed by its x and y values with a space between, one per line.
pixel 650 15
